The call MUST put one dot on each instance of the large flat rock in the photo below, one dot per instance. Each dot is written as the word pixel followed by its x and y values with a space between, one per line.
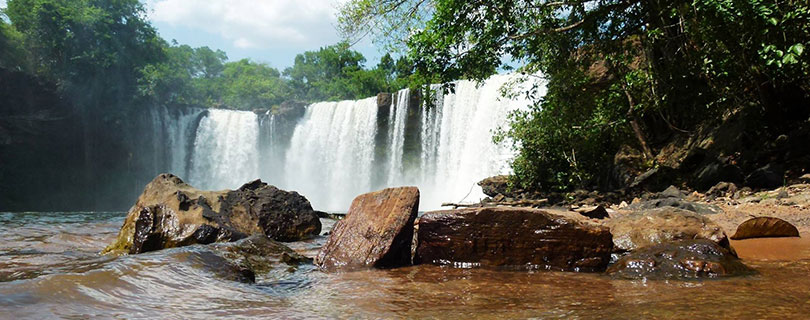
pixel 508 237
pixel 376 232
pixel 170 213
pixel 652 227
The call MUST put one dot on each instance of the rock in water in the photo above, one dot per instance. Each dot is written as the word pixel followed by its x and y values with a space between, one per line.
pixel 376 232
pixel 688 259
pixel 512 238
pixel 652 227
pixel 170 213
pixel 260 255
pixel 765 227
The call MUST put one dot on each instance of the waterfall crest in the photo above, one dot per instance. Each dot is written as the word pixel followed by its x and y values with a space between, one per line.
pixel 225 150
pixel 332 151
pixel 338 150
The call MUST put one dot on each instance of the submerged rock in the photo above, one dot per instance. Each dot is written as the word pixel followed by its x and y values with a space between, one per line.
pixel 688 259
pixel 376 232
pixel 657 226
pixel 765 227
pixel 260 255
pixel 512 238
pixel 170 213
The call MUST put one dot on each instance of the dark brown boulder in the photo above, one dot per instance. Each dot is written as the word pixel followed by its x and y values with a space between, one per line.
pixel 170 213
pixel 512 238
pixel 765 227
pixel 495 185
pixel 598 212
pixel 376 232
pixel 652 227
pixel 688 259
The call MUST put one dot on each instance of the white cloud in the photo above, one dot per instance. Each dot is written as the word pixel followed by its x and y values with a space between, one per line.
pixel 259 24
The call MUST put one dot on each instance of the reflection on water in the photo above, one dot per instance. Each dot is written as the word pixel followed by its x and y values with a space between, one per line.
pixel 49 267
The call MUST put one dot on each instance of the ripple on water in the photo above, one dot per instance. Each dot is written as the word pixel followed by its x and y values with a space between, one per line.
pixel 193 282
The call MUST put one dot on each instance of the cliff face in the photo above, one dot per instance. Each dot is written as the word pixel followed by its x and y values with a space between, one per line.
pixel 40 146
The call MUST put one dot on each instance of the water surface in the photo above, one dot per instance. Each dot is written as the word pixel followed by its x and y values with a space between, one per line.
pixel 49 268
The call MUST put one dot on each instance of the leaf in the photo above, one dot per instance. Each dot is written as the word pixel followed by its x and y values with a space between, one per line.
pixel 797 49
pixel 790 59
pixel 773 21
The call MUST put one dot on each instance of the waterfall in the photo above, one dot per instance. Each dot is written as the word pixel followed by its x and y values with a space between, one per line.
pixel 338 150
pixel 457 146
pixel 332 151
pixel 398 112
pixel 225 150
pixel 331 156
pixel 173 131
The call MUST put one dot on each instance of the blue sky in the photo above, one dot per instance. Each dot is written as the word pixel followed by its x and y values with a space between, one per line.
pixel 269 31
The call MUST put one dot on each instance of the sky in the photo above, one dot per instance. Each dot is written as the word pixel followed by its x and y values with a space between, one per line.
pixel 269 31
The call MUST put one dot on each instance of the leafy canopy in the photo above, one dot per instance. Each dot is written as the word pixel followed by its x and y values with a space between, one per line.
pixel 619 72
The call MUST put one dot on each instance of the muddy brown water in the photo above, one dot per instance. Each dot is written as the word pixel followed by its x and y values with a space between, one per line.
pixel 50 268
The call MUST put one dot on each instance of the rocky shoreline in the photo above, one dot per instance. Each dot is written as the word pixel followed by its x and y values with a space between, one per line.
pixel 672 234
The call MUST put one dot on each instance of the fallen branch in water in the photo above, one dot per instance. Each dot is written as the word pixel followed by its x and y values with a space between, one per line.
pixel 519 203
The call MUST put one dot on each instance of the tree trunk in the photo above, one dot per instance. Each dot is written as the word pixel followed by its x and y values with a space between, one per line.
pixel 634 123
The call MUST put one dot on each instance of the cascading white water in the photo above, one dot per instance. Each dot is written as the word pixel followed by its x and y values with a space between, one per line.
pixel 335 152
pixel 457 146
pixel 178 137
pixel 332 151
pixel 397 117
pixel 226 148
pixel 173 134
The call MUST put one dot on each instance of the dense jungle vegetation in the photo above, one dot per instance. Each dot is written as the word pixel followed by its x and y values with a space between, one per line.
pixel 621 75
pixel 105 54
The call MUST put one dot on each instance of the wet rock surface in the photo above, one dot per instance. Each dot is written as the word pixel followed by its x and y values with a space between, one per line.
pixel 170 213
pixel 651 227
pixel 510 237
pixel 376 232
pixel 259 255
pixel 688 259
pixel 765 227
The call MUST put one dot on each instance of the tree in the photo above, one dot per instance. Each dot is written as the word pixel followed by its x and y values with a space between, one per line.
pixel 248 85
pixel 390 21
pixel 12 55
pixel 618 71
pixel 333 73
pixel 91 47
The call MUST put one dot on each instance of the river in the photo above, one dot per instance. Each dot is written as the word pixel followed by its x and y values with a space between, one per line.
pixel 50 268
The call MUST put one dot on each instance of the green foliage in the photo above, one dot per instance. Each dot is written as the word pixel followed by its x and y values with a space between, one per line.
pixel 618 71
pixel 86 45
pixel 105 54
pixel 248 85
pixel 391 21
pixel 12 55
pixel 335 73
